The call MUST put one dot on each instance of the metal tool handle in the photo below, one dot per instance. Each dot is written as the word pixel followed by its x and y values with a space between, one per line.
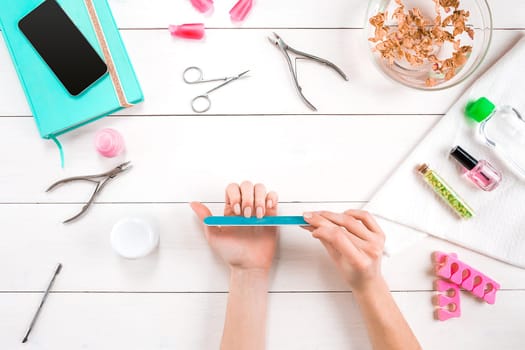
pixel 320 60
pixel 200 77
pixel 44 298
pixel 204 98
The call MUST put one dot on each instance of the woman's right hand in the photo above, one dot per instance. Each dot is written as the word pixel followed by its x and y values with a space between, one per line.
pixel 354 241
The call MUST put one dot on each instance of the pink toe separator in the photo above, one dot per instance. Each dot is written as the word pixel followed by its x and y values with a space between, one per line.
pixel 240 10
pixel 451 268
pixel 202 6
pixel 194 31
pixel 448 301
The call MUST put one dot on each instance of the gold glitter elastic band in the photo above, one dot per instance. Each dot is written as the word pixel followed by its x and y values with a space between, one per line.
pixel 107 54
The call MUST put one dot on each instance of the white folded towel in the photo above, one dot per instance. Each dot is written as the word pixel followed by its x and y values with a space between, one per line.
pixel 498 229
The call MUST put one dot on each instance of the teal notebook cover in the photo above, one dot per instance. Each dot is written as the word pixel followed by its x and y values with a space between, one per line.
pixel 54 109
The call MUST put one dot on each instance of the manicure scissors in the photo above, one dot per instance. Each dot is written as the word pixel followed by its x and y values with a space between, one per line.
pixel 285 48
pixel 100 180
pixel 200 79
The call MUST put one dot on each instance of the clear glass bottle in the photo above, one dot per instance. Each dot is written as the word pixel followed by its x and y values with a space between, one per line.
pixel 480 172
pixel 445 192
pixel 503 129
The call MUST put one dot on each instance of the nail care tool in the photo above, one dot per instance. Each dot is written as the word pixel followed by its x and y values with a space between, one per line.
pixel 448 300
pixel 194 31
pixel 285 48
pixel 204 98
pixel 254 221
pixel 240 10
pixel 202 6
pixel 449 267
pixel 44 298
pixel 100 180
pixel 109 143
pixel 133 238
pixel 445 192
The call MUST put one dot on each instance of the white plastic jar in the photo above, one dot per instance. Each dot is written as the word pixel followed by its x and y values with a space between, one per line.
pixel 133 238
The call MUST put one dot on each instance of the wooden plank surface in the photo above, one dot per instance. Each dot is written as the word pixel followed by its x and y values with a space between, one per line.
pixel 181 159
pixel 278 13
pixel 184 262
pixel 305 321
pixel 160 60
pixel 258 129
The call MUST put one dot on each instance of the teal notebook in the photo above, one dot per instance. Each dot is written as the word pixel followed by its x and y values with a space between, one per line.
pixel 54 109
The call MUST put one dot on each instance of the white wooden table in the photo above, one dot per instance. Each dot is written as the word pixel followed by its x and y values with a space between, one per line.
pixel 259 130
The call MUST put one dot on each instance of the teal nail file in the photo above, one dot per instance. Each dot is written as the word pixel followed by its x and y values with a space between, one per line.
pixel 253 221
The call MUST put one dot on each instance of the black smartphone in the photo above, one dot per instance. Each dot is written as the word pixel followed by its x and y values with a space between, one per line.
pixel 63 47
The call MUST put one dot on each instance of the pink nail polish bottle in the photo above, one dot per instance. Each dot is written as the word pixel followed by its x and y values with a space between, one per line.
pixel 194 31
pixel 241 9
pixel 109 143
pixel 481 172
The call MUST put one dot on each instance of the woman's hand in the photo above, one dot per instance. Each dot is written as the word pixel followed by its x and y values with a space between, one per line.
pixel 354 241
pixel 244 247
pixel 249 252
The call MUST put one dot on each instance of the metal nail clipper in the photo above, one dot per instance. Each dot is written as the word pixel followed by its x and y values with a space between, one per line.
pixel 285 48
pixel 99 180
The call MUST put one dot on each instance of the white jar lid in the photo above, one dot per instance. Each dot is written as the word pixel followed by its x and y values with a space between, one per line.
pixel 133 238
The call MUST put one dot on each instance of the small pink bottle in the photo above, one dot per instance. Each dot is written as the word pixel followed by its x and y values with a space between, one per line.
pixel 194 31
pixel 109 143
pixel 241 9
pixel 481 172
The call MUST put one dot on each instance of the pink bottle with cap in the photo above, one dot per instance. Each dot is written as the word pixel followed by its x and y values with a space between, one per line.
pixel 194 31
pixel 202 6
pixel 109 143
pixel 240 10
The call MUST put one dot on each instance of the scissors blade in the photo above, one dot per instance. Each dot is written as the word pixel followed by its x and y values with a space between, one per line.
pixel 125 166
pixel 275 39
pixel 232 79
pixel 242 74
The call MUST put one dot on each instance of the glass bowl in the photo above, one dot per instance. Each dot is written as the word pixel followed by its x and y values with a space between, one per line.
pixel 423 76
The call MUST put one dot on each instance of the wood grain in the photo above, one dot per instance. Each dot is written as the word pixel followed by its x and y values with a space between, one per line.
pixel 33 244
pixel 159 61
pixel 181 159
pixel 257 129
pixel 296 321
pixel 278 13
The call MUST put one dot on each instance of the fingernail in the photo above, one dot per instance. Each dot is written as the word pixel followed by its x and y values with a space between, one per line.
pixel 237 209
pixel 260 212
pixel 269 204
pixel 247 212
pixel 307 215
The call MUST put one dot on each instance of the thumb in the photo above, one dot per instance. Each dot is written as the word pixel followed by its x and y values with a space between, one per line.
pixel 200 210
pixel 202 213
pixel 316 220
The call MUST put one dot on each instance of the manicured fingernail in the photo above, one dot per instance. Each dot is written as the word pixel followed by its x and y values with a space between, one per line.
pixel 307 215
pixel 247 212
pixel 237 209
pixel 269 204
pixel 260 212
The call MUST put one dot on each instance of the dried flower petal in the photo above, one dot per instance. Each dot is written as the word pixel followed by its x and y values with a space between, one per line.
pixel 415 38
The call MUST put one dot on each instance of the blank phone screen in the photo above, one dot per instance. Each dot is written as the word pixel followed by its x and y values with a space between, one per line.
pixel 63 47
